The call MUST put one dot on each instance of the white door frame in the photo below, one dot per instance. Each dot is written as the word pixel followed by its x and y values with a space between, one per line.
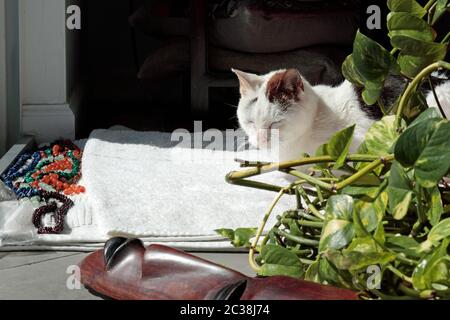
pixel 39 94
pixel 3 121
pixel 47 102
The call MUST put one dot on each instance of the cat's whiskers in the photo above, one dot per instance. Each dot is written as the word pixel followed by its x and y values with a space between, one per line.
pixel 231 105
pixel 243 144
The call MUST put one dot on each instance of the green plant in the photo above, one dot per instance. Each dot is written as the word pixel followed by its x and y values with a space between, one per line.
pixel 392 207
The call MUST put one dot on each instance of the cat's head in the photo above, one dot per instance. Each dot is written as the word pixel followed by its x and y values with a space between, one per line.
pixel 274 105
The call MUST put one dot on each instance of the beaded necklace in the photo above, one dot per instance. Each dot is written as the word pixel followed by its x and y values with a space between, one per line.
pixel 59 213
pixel 49 174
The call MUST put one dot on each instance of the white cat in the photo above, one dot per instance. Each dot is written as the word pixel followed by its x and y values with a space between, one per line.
pixel 304 116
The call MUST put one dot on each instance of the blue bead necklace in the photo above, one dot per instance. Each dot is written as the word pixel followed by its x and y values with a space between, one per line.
pixel 25 165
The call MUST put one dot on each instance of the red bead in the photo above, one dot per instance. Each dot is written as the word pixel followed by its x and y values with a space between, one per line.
pixel 56 150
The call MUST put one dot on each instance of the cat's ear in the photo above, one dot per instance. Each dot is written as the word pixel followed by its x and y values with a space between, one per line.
pixel 248 82
pixel 285 86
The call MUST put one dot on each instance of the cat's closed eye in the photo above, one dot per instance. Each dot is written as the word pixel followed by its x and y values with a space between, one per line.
pixel 275 124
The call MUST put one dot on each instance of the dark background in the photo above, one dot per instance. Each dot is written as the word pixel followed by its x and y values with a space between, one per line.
pixel 112 53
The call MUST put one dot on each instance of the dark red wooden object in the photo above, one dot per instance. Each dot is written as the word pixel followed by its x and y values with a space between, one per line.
pixel 126 270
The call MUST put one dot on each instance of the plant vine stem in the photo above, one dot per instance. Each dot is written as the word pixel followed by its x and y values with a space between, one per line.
pixel 430 16
pixel 428 294
pixel 302 252
pixel 382 106
pixel 238 175
pixel 319 195
pixel 260 231
pixel 383 296
pixel 309 179
pixel 257 185
pixel 305 223
pixel 446 38
pixel 436 98
pixel 311 207
pixel 407 261
pixel 363 172
pixel 309 217
pixel 408 291
pixel 429 5
pixel 297 239
pixel 399 274
pixel 413 86
pixel 299 200
pixel 446 209
pixel 306 261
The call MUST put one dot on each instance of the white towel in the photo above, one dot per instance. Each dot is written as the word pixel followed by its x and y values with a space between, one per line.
pixel 137 186
pixel 140 185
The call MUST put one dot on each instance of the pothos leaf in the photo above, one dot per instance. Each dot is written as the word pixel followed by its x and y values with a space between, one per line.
pixel 416 104
pixel 355 260
pixel 410 6
pixel 279 261
pixel 336 234
pixel 405 23
pixel 368 66
pixel 363 245
pixel 411 61
pixel 372 61
pixel 426 148
pixel 274 254
pixel 324 272
pixel 321 151
pixel 338 230
pixel 371 212
pixel 239 238
pixel 400 191
pixel 270 270
pixel 351 73
pixel 328 274
pixel 435 207
pixel 425 272
pixel 226 233
pixel 405 245
pixel 430 113
pixel 437 234
pixel 372 91
pixel 380 234
pixel 441 8
pixel 413 37
pixel 312 273
pixel 379 140
pixel 339 207
pixel 339 146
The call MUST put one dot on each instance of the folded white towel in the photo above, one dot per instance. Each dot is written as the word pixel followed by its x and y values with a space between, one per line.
pixel 140 185
pixel 137 186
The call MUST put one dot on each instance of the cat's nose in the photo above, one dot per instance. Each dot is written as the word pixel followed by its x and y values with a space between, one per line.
pixel 263 137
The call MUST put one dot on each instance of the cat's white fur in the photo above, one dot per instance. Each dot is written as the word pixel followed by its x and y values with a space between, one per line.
pixel 309 122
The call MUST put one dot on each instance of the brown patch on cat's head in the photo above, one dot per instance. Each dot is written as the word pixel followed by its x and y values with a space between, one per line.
pixel 285 87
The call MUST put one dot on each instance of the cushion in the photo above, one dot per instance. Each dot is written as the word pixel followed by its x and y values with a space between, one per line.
pixel 318 65
pixel 171 59
pixel 162 18
pixel 252 27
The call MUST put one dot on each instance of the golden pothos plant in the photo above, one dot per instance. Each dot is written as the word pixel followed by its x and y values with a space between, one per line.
pixel 391 212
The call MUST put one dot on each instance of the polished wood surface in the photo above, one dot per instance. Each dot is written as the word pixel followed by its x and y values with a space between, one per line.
pixel 126 270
